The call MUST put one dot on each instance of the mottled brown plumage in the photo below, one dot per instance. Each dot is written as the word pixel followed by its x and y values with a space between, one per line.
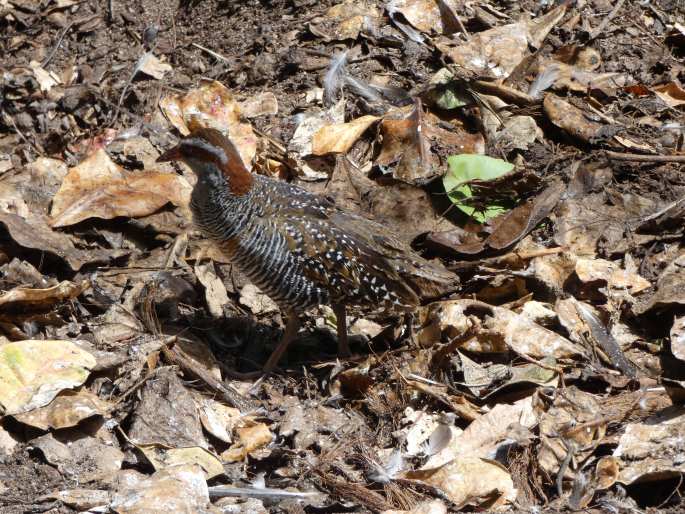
pixel 298 247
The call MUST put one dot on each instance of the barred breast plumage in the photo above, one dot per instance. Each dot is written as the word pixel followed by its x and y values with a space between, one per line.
pixel 298 247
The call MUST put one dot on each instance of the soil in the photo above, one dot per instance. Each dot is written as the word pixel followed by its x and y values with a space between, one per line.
pixel 254 46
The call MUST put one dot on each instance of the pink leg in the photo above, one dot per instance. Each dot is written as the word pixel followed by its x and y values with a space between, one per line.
pixel 291 328
pixel 341 317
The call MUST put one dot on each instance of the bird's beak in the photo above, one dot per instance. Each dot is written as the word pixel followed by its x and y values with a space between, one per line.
pixel 173 154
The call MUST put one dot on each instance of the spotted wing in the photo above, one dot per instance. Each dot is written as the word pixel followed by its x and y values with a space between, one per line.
pixel 352 257
pixel 351 269
pixel 426 279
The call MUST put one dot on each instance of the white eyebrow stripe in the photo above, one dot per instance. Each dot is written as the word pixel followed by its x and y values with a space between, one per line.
pixel 216 151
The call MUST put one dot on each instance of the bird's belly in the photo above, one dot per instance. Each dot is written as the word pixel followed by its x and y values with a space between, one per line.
pixel 270 265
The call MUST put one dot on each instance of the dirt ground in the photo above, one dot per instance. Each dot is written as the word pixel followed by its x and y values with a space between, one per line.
pixel 555 385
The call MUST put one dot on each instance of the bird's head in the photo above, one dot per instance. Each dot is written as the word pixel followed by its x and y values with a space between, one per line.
pixel 211 155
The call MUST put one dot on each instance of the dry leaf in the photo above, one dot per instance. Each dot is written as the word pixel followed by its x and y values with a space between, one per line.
pixel 405 146
pixel 408 135
pixel 166 414
pixel 153 67
pixel 301 144
pixel 422 425
pixel 501 330
pixel 496 52
pixel 215 290
pixel 217 418
pixel 80 499
pixel 28 298
pixel 35 233
pixel 670 287
pixel 671 94
pixel 7 444
pixel 340 138
pixel 258 302
pixel 500 426
pixel 66 410
pixel 518 132
pixel 607 472
pixel 211 105
pixel 517 223
pixel 572 422
pixel 249 439
pixel 470 481
pixel 260 104
pixel 46 79
pixel 33 372
pixel 651 449
pixel 678 338
pixel 180 489
pixel 600 270
pixel 428 15
pixel 98 188
pixel 571 119
pixel 344 21
pixel 162 458
pixel 575 78
pixel 425 507
pixel 84 458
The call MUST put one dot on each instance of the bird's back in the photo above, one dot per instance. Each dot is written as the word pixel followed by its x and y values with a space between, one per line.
pixel 342 257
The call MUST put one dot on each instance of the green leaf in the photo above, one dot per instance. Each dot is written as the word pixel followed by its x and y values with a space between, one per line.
pixel 448 98
pixel 465 168
pixel 447 93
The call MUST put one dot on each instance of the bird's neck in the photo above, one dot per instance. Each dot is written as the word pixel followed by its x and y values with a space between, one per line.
pixel 216 210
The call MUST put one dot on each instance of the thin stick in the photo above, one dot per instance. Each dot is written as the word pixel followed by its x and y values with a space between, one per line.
pixel 636 157
pixel 606 20
pixel 530 359
pixel 212 53
pixel 456 18
pixel 227 392
pixel 59 42
pixel 38 150
pixel 253 492
pixel 139 64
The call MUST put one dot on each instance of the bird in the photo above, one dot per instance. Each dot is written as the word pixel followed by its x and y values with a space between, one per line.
pixel 298 247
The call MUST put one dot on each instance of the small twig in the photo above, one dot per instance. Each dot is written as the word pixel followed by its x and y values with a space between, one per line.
pixel 110 10
pixel 530 359
pixel 59 42
pixel 38 150
pixel 455 17
pixel 139 64
pixel 603 116
pixel 227 392
pixel 662 211
pixel 212 53
pixel 636 157
pixel 176 251
pixel 462 27
pixel 506 93
pixel 133 388
pixel 253 492
pixel 277 144
pixel 538 253
pixel 503 260
pixel 113 270
pixel 564 466
pixel 606 20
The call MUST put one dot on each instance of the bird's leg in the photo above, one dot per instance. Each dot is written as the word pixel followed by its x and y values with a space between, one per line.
pixel 291 328
pixel 341 325
pixel 409 324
